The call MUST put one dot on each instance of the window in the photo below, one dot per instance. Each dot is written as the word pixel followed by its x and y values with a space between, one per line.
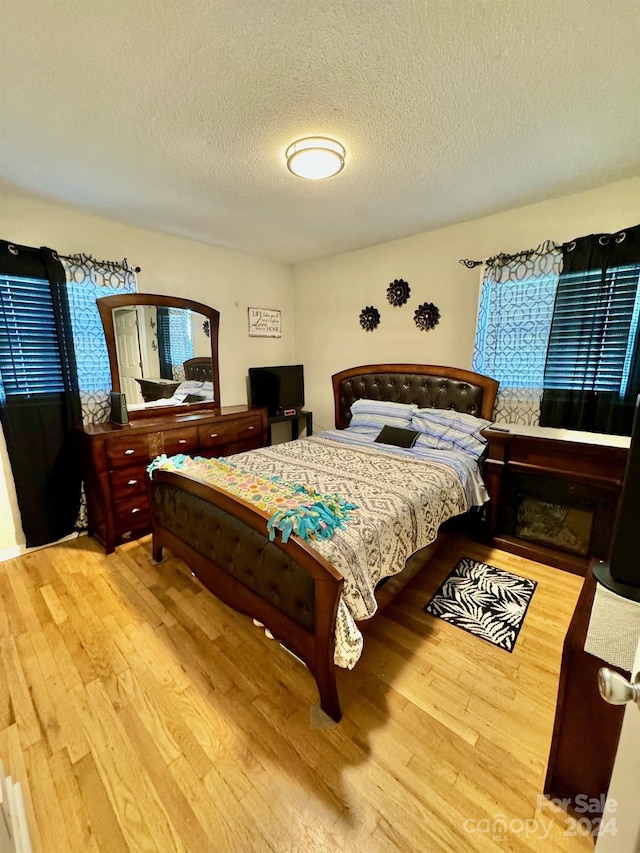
pixel 513 330
pixel 558 328
pixel 39 403
pixel 92 358
pixel 514 320
pixel 29 350
pixel 175 341
pixel 594 332
pixel 41 308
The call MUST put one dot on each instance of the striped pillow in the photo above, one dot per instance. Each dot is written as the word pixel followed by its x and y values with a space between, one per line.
pixel 375 414
pixel 446 429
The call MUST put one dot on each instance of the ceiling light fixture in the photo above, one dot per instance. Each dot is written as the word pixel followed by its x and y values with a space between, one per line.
pixel 315 157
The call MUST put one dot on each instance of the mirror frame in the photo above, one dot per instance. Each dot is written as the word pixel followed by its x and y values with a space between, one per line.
pixel 105 307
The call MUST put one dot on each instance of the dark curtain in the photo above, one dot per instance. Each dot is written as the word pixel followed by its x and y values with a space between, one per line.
pixel 587 267
pixel 164 343
pixel 38 427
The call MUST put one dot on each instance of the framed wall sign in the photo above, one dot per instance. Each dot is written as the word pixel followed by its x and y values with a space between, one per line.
pixel 264 323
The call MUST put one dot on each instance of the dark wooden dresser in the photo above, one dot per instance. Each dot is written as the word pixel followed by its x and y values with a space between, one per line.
pixel 115 459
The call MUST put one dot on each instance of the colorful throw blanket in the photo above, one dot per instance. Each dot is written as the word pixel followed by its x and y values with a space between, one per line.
pixel 292 508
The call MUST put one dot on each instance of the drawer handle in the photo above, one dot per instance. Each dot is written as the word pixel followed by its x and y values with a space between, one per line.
pixel 182 441
pixel 213 435
pixel 132 482
pixel 129 452
pixel 135 510
pixel 251 427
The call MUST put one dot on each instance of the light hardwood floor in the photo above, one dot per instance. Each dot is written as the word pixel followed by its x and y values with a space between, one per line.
pixel 142 714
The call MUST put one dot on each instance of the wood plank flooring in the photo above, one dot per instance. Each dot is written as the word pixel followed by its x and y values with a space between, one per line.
pixel 141 714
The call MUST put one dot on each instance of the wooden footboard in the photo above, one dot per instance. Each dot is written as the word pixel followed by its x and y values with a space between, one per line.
pixel 290 588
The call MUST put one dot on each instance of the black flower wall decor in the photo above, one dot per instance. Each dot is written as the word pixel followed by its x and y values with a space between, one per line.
pixel 398 292
pixel 369 318
pixel 426 316
pixel 206 328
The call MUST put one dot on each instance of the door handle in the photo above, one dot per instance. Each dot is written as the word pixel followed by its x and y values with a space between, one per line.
pixel 616 690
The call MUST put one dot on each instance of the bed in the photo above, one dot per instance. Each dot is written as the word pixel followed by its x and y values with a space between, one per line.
pixel 199 368
pixel 188 391
pixel 303 591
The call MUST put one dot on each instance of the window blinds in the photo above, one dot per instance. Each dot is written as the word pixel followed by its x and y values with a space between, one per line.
pixel 594 329
pixel 29 352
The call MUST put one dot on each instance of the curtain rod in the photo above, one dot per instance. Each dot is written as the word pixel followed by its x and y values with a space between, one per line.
pixel 501 258
pixel 82 257
pixel 603 239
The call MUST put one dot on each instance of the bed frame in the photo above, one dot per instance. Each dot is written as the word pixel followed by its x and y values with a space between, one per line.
pixel 199 368
pixel 291 588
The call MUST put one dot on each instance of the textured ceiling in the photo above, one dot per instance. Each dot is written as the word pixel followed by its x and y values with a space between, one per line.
pixel 175 115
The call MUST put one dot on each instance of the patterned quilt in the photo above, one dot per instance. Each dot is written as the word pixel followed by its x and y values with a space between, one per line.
pixel 291 507
pixel 402 503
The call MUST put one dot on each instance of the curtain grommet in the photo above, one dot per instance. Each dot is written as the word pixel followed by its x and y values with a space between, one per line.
pixel 12 249
pixel 571 246
pixel 620 236
pixel 603 240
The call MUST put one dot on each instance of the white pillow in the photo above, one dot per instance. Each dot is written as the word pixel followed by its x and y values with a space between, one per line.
pixel 376 414
pixel 446 429
pixel 384 407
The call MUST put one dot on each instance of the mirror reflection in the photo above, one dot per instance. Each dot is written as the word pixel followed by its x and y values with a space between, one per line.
pixel 163 351
pixel 163 354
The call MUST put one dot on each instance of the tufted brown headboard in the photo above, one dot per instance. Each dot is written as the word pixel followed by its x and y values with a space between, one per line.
pixel 199 368
pixel 427 385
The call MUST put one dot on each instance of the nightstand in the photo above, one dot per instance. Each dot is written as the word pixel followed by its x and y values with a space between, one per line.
pixel 307 417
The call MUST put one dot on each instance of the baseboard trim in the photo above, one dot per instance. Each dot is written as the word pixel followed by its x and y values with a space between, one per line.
pixel 20 550
pixel 10 553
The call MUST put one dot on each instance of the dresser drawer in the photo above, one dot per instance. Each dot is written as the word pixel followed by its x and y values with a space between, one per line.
pixel 217 434
pixel 123 451
pixel 249 429
pixel 128 481
pixel 183 440
pixel 131 513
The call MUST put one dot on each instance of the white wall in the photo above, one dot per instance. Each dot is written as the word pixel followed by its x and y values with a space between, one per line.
pixel 229 281
pixel 331 292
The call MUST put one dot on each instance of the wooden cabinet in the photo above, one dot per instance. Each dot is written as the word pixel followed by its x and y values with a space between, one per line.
pixel 115 459
pixel 553 493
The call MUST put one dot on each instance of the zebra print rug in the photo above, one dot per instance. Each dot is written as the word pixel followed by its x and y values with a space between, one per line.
pixel 487 602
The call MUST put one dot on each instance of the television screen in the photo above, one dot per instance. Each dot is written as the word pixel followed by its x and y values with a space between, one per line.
pixel 277 388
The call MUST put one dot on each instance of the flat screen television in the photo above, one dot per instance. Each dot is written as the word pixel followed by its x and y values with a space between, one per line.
pixel 277 388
